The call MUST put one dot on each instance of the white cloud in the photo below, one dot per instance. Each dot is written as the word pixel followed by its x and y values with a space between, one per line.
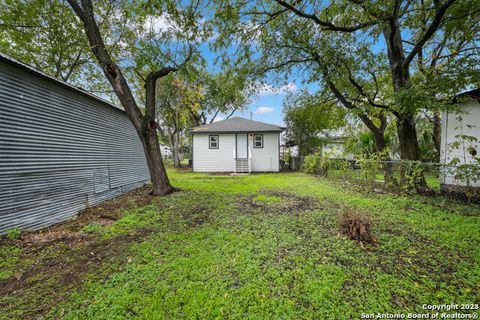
pixel 159 24
pixel 265 89
pixel 263 110
pixel 164 24
pixel 218 118
pixel 289 87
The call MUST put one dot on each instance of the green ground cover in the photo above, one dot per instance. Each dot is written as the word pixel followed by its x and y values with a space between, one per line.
pixel 263 246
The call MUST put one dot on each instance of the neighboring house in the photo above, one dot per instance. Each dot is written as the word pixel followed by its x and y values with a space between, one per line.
pixel 334 148
pixel 61 149
pixel 236 145
pixel 288 149
pixel 460 142
pixel 166 151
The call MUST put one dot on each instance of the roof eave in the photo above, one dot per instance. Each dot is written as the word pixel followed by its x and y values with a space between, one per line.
pixel 233 131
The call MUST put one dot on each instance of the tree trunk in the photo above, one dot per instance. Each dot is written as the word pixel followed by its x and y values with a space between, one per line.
pixel 410 151
pixel 380 146
pixel 145 125
pixel 176 150
pixel 407 136
pixel 160 181
pixel 379 138
pixel 158 175
pixel 437 132
pixel 407 133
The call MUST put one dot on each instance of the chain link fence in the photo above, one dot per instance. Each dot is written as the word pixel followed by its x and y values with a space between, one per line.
pixel 459 182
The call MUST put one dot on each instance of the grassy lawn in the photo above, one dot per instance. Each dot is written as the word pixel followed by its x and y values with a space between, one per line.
pixel 263 246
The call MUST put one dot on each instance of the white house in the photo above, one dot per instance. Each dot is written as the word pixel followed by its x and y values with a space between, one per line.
pixel 334 148
pixel 236 145
pixel 460 142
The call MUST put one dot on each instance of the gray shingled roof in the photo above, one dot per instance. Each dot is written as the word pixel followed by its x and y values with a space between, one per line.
pixel 237 124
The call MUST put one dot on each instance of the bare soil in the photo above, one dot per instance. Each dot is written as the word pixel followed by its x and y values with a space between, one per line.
pixel 62 255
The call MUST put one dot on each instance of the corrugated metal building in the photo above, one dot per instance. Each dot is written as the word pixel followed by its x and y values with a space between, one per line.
pixel 61 149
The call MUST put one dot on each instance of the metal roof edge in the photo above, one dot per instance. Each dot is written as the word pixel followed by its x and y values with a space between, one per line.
pixel 14 62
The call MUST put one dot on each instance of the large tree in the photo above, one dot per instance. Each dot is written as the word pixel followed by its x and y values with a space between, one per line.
pixel 341 36
pixel 47 35
pixel 153 54
pixel 224 92
pixel 309 117
pixel 177 100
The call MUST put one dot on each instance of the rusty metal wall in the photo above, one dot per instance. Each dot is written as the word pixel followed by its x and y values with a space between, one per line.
pixel 61 150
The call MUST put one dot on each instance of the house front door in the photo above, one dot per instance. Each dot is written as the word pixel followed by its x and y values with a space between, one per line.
pixel 242 147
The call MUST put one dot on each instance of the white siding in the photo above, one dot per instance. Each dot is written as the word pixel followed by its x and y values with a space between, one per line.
pixel 223 158
pixel 332 150
pixel 266 158
pixel 451 128
pixel 213 160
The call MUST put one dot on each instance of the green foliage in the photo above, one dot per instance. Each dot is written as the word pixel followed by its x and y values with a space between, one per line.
pixel 311 163
pixel 177 100
pixel 225 92
pixel 342 46
pixel 332 168
pixel 218 250
pixel 413 176
pixel 10 261
pixel 306 116
pixel 14 234
pixel 92 228
pixel 47 35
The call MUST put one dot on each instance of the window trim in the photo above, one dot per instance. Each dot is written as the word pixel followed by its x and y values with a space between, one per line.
pixel 210 141
pixel 254 144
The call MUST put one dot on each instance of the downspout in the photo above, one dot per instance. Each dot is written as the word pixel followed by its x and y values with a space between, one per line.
pixel 249 154
pixel 235 155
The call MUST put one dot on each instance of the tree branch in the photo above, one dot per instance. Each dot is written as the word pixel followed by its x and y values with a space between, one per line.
pixel 437 20
pixel 231 113
pixel 326 24
pixel 110 68
pixel 362 92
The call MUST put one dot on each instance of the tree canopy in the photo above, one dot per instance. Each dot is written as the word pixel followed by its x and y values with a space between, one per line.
pixel 377 58
pixel 309 118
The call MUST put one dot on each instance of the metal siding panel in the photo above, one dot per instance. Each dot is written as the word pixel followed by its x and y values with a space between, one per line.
pixel 60 151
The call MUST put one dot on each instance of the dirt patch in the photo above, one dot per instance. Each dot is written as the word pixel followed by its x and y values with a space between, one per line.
pixel 103 214
pixel 58 270
pixel 196 215
pixel 55 261
pixel 183 169
pixel 277 202
pixel 109 211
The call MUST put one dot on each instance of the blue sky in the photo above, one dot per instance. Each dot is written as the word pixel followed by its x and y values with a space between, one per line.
pixel 267 105
pixel 266 108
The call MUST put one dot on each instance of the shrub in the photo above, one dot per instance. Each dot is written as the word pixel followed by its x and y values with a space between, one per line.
pixel 357 226
pixel 413 177
pixel 14 234
pixel 310 163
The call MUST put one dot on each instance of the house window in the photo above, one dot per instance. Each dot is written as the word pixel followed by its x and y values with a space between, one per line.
pixel 258 140
pixel 213 142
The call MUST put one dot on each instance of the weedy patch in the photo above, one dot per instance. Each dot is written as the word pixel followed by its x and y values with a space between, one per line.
pixel 267 199
pixel 357 226
pixel 261 246
pixel 276 202
pixel 40 268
